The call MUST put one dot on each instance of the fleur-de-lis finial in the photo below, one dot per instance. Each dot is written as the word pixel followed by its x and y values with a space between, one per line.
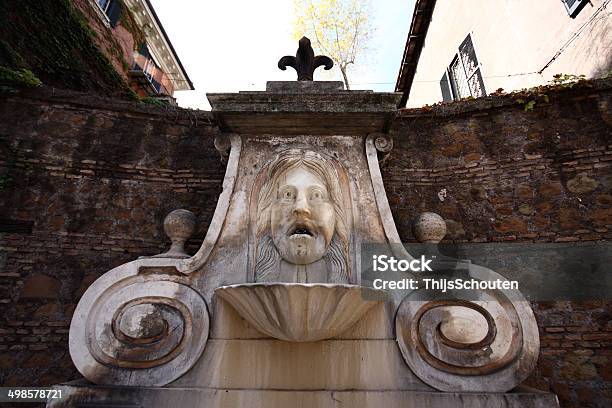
pixel 305 61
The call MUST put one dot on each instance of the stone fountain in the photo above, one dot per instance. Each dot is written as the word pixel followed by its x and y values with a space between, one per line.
pixel 272 311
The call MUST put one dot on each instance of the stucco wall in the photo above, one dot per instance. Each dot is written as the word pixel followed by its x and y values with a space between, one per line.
pixel 513 37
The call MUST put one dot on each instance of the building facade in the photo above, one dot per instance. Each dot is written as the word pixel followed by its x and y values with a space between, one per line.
pixel 139 49
pixel 471 48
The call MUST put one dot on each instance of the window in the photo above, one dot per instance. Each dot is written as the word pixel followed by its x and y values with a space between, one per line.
pixel 147 66
pixel 463 77
pixel 445 86
pixel 574 6
pixel 104 4
pixel 112 9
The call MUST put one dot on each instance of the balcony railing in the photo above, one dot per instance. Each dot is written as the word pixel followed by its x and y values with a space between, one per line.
pixel 148 74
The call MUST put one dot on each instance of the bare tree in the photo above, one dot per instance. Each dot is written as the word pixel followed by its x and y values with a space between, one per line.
pixel 339 28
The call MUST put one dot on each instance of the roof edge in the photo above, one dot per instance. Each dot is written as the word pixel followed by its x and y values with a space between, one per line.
pixel 421 17
pixel 163 31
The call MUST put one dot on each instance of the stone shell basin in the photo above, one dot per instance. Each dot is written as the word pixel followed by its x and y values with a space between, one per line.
pixel 300 312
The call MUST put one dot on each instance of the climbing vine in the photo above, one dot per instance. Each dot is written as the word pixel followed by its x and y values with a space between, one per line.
pixel 129 23
pixel 11 79
pixel 154 101
pixel 531 96
pixel 52 40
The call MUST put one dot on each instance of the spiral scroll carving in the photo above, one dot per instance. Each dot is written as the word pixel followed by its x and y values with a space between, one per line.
pixel 140 331
pixel 488 344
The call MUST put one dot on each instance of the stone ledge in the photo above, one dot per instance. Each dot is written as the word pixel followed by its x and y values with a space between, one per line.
pixel 80 394
pixel 304 86
pixel 57 96
pixel 581 90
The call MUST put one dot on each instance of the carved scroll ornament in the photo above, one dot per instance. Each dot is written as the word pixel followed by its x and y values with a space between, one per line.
pixel 139 329
pixel 488 344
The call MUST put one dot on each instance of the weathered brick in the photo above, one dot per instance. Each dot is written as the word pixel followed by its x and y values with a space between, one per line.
pixel 87 223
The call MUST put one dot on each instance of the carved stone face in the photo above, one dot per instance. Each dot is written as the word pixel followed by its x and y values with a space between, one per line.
pixel 302 217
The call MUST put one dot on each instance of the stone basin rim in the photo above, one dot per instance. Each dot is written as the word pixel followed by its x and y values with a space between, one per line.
pixel 252 302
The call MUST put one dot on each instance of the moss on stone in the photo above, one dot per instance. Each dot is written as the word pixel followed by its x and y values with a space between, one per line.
pixel 154 101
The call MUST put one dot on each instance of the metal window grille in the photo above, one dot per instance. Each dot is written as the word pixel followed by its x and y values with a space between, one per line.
pixel 458 79
pixel 463 76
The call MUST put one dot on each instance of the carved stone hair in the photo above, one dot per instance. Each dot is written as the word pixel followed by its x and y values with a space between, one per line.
pixel 267 257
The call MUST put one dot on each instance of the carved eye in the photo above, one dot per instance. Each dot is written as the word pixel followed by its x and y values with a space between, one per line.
pixel 317 195
pixel 287 194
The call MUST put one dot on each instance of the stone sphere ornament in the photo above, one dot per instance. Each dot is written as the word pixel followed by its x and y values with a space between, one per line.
pixel 429 228
pixel 179 226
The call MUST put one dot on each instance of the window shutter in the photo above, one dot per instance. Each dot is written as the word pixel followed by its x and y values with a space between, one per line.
pixel 574 6
pixel 463 78
pixel 144 50
pixel 471 66
pixel 445 88
pixel 114 12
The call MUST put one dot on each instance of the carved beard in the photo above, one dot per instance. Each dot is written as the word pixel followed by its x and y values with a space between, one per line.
pixel 267 267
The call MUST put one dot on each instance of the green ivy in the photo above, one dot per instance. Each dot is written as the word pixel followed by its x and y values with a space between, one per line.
pixel 128 22
pixel 566 80
pixel 20 77
pixel 53 40
pixel 530 97
pixel 154 101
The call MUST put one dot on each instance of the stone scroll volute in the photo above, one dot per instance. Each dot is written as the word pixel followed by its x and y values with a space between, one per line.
pixel 140 324
pixel 484 344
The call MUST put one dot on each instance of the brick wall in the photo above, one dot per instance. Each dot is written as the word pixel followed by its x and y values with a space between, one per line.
pixel 116 43
pixel 93 179
pixel 496 173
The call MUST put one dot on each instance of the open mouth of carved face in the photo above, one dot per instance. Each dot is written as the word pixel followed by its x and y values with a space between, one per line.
pixel 301 231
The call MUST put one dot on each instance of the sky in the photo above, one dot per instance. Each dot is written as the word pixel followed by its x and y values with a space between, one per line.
pixel 235 45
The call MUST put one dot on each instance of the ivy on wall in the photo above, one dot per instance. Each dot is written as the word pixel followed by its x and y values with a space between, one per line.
pixel 129 23
pixel 52 40
pixel 17 77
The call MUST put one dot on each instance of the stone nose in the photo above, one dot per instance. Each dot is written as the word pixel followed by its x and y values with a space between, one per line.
pixel 301 206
